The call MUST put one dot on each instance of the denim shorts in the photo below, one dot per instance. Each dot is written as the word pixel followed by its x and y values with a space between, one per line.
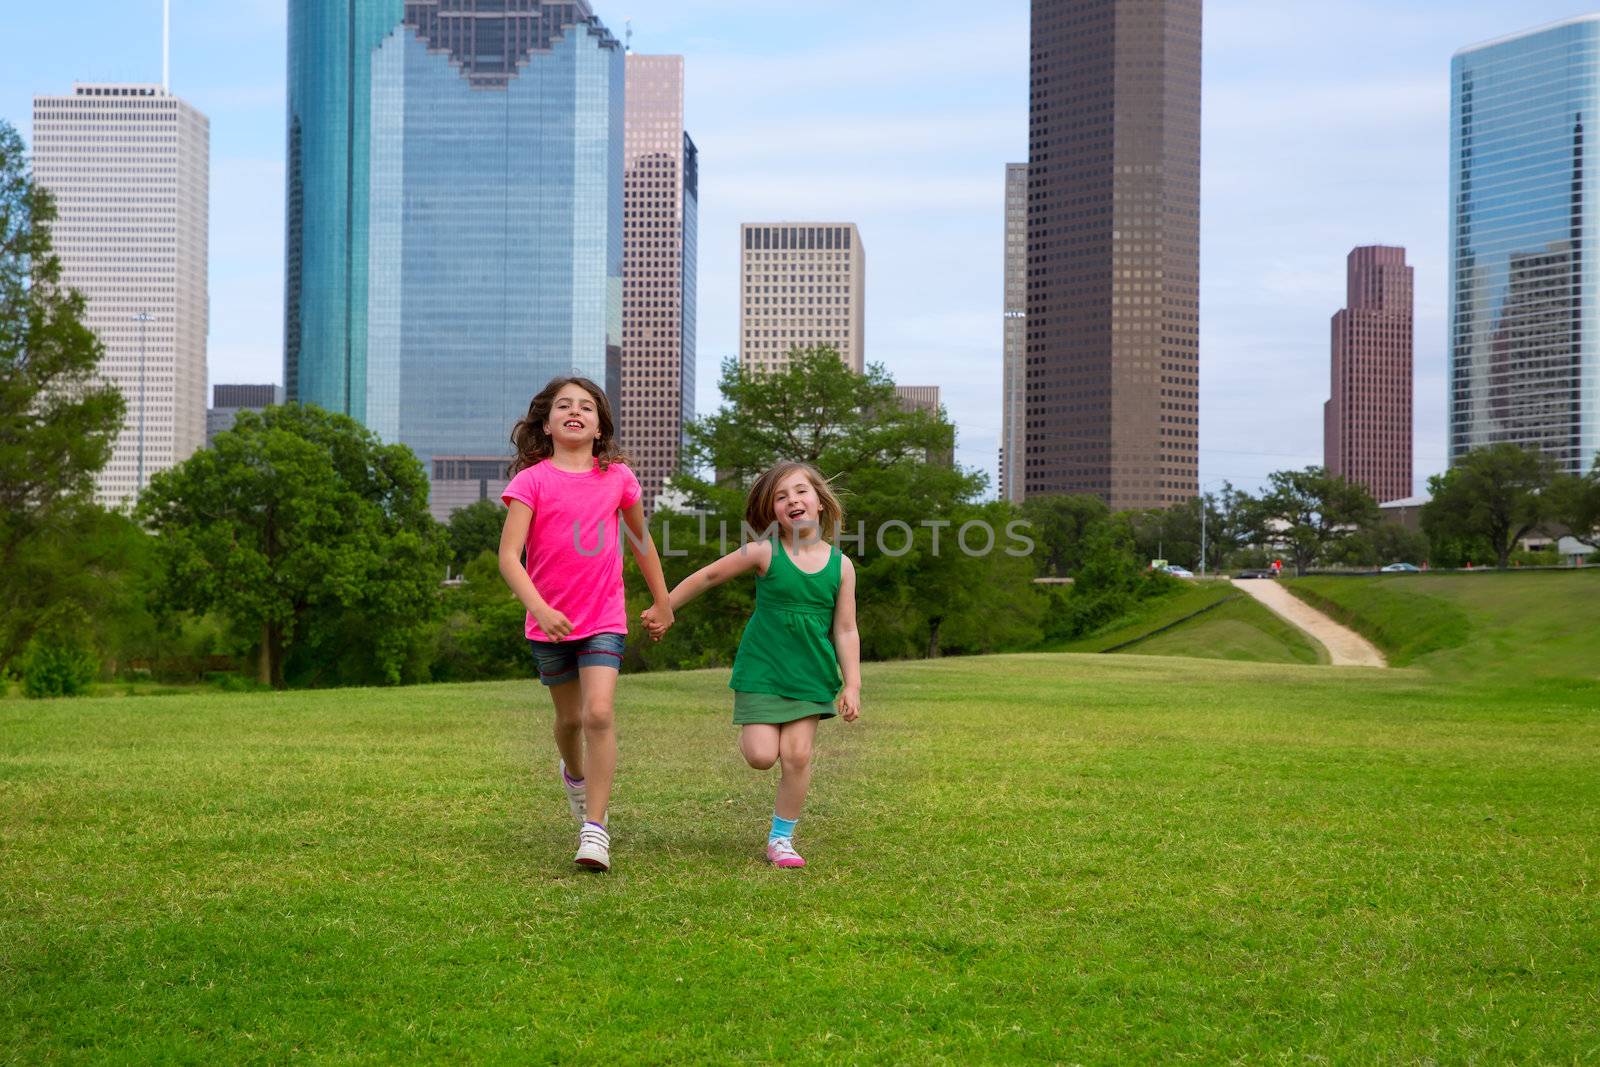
pixel 558 661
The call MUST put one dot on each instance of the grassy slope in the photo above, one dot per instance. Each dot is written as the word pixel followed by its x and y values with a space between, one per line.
pixel 1091 858
pixel 1241 629
pixel 1150 615
pixel 1509 626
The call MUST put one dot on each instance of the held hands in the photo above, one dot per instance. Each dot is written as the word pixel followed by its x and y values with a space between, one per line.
pixel 850 704
pixel 555 624
pixel 657 618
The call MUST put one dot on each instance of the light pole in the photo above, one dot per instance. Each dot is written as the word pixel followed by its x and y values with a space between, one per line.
pixel 142 318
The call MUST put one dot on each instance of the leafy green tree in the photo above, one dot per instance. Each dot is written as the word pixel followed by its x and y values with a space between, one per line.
pixel 57 419
pixel 482 634
pixel 1495 493
pixel 99 563
pixel 1110 583
pixel 1575 503
pixel 1060 524
pixel 474 530
pixel 300 526
pixel 1381 544
pixel 818 411
pixel 904 515
pixel 1309 512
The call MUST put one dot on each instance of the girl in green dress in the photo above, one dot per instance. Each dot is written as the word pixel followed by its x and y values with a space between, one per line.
pixel 800 656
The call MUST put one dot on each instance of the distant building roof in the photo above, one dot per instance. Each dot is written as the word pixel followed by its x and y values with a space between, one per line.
pixel 1407 502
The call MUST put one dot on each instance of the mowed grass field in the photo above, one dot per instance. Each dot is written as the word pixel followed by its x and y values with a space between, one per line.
pixel 1078 858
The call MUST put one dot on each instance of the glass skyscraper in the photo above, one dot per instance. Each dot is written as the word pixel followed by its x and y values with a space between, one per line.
pixel 454 212
pixel 1524 300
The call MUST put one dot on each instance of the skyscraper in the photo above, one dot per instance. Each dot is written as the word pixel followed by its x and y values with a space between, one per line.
pixel 1113 320
pixel 1366 423
pixel 129 166
pixel 1015 337
pixel 454 212
pixel 1524 342
pixel 804 285
pixel 660 213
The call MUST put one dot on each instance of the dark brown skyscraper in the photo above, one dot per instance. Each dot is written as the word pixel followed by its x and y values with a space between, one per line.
pixel 1112 380
pixel 1366 424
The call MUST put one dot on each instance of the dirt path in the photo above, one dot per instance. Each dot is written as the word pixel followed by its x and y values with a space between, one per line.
pixel 1346 648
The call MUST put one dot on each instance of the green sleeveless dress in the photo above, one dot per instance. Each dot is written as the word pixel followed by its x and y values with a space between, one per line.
pixel 786 667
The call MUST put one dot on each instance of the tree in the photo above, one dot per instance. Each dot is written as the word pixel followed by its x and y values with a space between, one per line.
pixel 97 566
pixel 1061 522
pixel 473 530
pixel 1308 512
pixel 819 411
pixel 904 515
pixel 1380 544
pixel 300 526
pixel 1496 493
pixel 57 420
pixel 1575 503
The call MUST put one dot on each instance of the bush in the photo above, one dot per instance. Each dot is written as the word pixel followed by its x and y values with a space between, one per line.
pixel 1109 585
pixel 57 667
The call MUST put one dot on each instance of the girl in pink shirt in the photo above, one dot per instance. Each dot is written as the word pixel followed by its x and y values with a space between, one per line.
pixel 568 487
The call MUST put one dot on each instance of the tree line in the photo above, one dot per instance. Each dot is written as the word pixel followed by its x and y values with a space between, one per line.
pixel 298 549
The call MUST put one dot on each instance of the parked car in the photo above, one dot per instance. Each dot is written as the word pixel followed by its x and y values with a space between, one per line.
pixel 1406 568
pixel 1179 572
pixel 1257 572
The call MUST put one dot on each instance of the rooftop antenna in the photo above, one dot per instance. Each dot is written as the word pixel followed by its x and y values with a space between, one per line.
pixel 628 38
pixel 166 46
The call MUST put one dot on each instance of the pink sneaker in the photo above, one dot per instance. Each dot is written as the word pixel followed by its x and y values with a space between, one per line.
pixel 781 853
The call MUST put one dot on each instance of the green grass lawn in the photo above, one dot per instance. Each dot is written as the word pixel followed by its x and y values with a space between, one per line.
pixel 1513 627
pixel 1046 857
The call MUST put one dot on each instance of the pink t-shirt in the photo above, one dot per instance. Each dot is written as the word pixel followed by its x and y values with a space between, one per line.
pixel 575 543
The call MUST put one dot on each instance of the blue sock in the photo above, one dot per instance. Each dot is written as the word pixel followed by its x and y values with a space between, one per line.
pixel 781 827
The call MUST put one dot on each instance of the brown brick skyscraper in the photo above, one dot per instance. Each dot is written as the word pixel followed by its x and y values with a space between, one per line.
pixel 1366 426
pixel 660 209
pixel 1113 309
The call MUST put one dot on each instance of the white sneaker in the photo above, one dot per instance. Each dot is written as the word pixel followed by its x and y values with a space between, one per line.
pixel 577 796
pixel 594 847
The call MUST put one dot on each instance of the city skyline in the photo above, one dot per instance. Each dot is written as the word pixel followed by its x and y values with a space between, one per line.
pixel 1285 197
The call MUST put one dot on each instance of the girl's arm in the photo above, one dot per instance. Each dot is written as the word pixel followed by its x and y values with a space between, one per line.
pixel 657 617
pixel 513 539
pixel 847 642
pixel 741 560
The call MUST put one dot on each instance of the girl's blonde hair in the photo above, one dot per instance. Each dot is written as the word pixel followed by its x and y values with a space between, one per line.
pixel 760 514
pixel 534 444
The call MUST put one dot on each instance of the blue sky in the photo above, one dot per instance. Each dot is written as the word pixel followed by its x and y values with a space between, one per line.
pixel 1325 128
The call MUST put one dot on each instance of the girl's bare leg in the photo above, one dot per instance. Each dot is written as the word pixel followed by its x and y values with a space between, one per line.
pixel 568 699
pixel 600 737
pixel 794 749
pixel 758 743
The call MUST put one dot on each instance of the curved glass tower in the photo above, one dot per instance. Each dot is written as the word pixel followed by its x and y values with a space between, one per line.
pixel 1524 294
pixel 454 212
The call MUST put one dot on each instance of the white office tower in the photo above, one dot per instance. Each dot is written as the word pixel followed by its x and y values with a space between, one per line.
pixel 129 167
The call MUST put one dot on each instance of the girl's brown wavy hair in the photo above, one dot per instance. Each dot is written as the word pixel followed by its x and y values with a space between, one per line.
pixel 533 444
pixel 760 514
